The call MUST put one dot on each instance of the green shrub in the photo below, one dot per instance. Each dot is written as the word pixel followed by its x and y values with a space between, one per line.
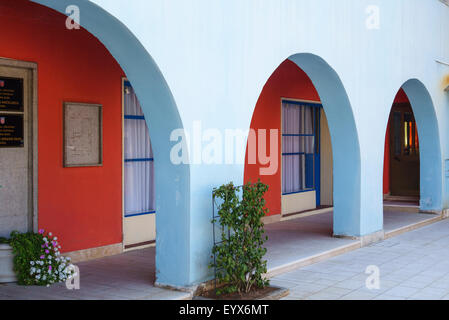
pixel 239 257
pixel 26 248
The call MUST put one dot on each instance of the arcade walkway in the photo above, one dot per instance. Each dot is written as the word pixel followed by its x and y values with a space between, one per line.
pixel 127 276
pixel 292 244
pixel 300 242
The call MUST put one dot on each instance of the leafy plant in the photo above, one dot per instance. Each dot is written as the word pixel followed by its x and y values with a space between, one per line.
pixel 239 256
pixel 26 247
pixel 37 260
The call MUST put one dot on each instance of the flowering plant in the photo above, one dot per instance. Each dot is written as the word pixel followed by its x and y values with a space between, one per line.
pixel 38 260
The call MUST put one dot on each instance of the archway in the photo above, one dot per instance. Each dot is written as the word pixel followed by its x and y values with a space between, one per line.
pixel 412 160
pixel 319 88
pixel 158 105
pixel 401 164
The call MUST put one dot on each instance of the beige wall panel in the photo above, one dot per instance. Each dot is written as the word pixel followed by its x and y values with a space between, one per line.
pixel 139 229
pixel 327 174
pixel 298 202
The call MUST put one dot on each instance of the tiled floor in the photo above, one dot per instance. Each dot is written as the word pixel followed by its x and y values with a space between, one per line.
pixel 414 265
pixel 297 239
pixel 394 219
pixel 131 275
pixel 292 240
pixel 126 276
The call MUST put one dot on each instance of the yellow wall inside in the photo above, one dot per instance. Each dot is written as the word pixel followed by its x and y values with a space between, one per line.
pixel 327 175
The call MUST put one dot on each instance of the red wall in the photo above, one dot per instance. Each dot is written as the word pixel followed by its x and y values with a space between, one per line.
pixel 288 81
pixel 81 205
pixel 401 97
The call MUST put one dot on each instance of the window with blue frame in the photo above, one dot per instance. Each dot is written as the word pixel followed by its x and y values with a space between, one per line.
pixel 300 146
pixel 139 161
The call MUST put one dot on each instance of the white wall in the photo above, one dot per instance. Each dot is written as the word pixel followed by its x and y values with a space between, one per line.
pixel 217 55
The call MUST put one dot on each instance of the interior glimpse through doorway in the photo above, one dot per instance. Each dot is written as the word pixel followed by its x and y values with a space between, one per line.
pixel 139 224
pixel 404 155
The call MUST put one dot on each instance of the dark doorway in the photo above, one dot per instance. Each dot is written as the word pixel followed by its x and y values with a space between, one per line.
pixel 404 152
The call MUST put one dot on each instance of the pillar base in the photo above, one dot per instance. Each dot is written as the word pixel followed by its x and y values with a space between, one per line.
pixel 367 239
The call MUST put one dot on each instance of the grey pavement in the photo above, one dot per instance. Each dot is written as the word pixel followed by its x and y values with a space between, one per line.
pixel 414 265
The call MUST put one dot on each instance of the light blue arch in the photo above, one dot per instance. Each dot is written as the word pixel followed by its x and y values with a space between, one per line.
pixel 345 142
pixel 431 179
pixel 172 181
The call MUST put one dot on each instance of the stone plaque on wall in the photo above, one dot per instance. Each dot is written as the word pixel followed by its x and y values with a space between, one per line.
pixel 83 135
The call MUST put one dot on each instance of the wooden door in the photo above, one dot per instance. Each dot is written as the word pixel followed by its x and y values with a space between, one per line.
pixel 404 152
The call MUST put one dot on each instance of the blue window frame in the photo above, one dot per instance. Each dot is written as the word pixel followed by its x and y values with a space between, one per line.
pixel 300 147
pixel 138 157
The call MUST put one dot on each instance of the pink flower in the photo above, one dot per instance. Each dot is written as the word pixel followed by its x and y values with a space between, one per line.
pixel 46 251
pixel 49 268
pixel 42 256
pixel 41 231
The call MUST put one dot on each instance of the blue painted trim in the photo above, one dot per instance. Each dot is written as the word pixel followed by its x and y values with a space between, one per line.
pixel 296 154
pixel 296 192
pixel 316 114
pixel 318 162
pixel 299 103
pixel 127 84
pixel 140 160
pixel 140 214
pixel 133 117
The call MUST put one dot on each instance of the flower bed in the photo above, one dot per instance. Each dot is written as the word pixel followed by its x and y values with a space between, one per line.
pixel 37 259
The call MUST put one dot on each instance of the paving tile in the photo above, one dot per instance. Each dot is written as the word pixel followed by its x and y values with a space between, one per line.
pixel 429 294
pixel 337 291
pixel 440 284
pixel 359 295
pixel 283 283
pixel 350 284
pixel 324 296
pixel 388 297
pixel 307 288
pixel 402 291
pixel 292 297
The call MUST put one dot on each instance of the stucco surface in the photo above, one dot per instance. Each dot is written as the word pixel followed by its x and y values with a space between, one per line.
pixel 209 60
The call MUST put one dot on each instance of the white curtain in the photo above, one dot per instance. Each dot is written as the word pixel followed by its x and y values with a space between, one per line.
pixel 139 162
pixel 298 124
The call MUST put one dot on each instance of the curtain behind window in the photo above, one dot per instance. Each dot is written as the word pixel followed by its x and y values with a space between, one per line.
pixel 298 147
pixel 139 164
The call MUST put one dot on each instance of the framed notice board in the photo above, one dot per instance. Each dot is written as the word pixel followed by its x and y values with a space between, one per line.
pixel 11 131
pixel 83 135
pixel 11 94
